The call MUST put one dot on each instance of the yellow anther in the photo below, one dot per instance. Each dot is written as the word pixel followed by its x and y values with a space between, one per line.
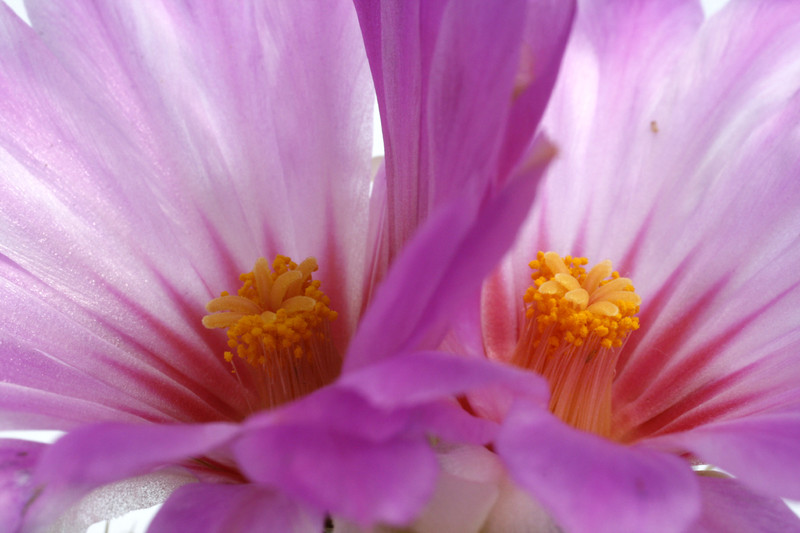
pixel 566 299
pixel 279 323
pixel 603 308
pixel 280 287
pixel 577 297
pixel 235 304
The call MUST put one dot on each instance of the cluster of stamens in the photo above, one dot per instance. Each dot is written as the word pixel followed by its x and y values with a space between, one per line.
pixel 279 323
pixel 575 323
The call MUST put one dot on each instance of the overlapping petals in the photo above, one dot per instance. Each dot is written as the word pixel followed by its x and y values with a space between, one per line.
pixel 461 87
pixel 682 170
pixel 152 151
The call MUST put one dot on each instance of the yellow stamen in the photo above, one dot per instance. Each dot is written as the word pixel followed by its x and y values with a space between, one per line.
pixel 279 324
pixel 575 324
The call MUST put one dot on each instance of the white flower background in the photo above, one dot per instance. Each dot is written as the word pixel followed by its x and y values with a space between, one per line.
pixel 137 521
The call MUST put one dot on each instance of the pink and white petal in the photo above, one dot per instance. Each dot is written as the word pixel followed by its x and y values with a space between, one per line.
pixel 458 246
pixel 360 479
pixel 219 508
pixel 588 483
pixel 117 499
pixel 17 461
pixel 474 493
pixel 444 75
pixel 515 510
pixel 633 185
pixel 760 451
pixel 608 83
pixel 255 118
pixel 92 456
pixel 725 314
pixel 148 94
pixel 466 491
pixel 65 365
pixel 729 506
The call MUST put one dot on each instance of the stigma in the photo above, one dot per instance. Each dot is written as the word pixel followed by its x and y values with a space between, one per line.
pixel 575 324
pixel 278 324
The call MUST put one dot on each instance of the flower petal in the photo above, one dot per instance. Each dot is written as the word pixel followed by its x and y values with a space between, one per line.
pixel 214 508
pixel 92 456
pixel 421 377
pixel 761 451
pixel 718 333
pixel 591 484
pixel 361 479
pixel 458 247
pixel 264 104
pixel 117 499
pixel 547 29
pixel 424 384
pixel 445 73
pixel 17 460
pixel 730 305
pixel 208 119
pixel 729 506
pixel 466 491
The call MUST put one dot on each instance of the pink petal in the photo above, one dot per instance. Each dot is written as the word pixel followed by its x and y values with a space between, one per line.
pixel 458 246
pixel 361 479
pixel 591 484
pixel 426 376
pixel 72 367
pixel 726 313
pixel 761 451
pixel 92 456
pixel 444 75
pixel 195 112
pixel 17 459
pixel 547 29
pixel 213 508
pixel 729 506
pixel 704 223
pixel 425 383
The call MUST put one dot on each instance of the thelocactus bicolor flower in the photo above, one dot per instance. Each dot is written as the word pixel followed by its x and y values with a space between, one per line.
pixel 152 152
pixel 679 160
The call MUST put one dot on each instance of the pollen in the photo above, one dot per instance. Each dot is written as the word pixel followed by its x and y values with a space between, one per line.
pixel 575 323
pixel 278 323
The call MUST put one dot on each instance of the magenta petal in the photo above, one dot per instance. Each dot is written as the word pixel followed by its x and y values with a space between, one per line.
pixel 545 36
pixel 458 246
pixel 761 451
pixel 591 484
pixel 729 506
pixel 425 376
pixel 361 479
pixel 423 383
pixel 17 461
pixel 92 456
pixel 218 508
pixel 443 74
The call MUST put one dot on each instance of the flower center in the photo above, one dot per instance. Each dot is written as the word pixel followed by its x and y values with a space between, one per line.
pixel 279 324
pixel 575 324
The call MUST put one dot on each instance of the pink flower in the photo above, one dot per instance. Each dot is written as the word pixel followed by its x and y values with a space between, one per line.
pixel 152 153
pixel 679 161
